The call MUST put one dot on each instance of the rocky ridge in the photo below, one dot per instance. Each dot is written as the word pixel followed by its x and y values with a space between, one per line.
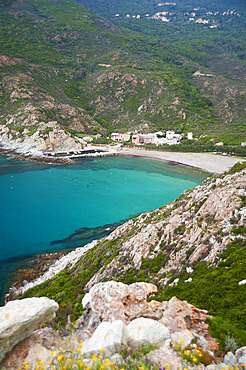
pixel 194 227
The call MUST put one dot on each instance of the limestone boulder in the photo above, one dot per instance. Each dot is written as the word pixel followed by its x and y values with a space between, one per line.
pixel 182 338
pixel 18 319
pixel 44 337
pixel 141 331
pixel 230 359
pixel 165 355
pixel 242 360
pixel 111 336
pixel 36 353
pixel 240 352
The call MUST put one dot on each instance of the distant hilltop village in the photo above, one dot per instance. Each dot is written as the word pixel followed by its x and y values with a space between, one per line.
pixel 157 138
pixel 196 16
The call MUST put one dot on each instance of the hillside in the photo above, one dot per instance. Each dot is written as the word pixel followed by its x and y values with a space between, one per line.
pixel 192 248
pixel 66 73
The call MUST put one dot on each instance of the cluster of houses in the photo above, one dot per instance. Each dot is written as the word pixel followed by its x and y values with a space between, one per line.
pixel 192 16
pixel 157 138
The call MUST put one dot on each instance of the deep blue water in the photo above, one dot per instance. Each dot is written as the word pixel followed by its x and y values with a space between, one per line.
pixel 41 205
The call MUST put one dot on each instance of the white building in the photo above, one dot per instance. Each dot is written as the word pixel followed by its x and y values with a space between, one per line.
pixel 115 136
pixel 190 135
pixel 170 135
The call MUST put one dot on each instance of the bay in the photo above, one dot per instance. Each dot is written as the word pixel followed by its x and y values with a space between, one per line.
pixel 47 208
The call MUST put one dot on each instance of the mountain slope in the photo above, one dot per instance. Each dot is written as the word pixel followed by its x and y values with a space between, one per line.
pixel 66 69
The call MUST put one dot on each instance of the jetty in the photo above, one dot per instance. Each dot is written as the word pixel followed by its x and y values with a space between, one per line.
pixel 92 151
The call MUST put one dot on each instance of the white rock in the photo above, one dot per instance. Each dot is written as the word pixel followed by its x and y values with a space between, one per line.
pixel 189 270
pixel 230 359
pixel 109 335
pixel 86 301
pixel 182 337
pixel 38 353
pixel 242 360
pixel 242 282
pixel 18 319
pixel 188 280
pixel 211 367
pixel 240 352
pixel 144 330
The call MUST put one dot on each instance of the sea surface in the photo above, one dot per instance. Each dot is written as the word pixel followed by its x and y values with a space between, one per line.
pixel 47 208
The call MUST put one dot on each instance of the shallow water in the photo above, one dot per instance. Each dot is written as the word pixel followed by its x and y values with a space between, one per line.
pixel 52 207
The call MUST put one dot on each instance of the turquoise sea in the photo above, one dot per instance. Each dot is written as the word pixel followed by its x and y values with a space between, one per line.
pixel 46 208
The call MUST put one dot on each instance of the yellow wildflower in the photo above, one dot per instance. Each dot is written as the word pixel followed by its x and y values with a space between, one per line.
pixel 102 349
pixel 195 359
pixel 181 340
pixel 81 344
pixel 100 357
pixel 59 358
pixel 140 367
pixel 113 363
pixel 42 362
pixel 167 365
pixel 78 349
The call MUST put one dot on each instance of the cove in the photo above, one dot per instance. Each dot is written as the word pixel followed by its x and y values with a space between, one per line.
pixel 47 208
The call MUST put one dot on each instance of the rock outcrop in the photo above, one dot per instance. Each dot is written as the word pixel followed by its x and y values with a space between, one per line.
pixel 46 137
pixel 117 301
pixel 20 318
pixel 145 321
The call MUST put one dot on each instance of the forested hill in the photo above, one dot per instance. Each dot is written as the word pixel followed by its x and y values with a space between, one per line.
pixel 62 63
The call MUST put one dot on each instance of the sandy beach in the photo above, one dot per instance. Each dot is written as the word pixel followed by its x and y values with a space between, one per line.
pixel 205 161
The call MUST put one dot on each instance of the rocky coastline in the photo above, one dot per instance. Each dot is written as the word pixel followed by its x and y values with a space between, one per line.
pixel 35 268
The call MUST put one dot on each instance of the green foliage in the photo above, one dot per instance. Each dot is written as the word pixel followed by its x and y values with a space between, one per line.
pixel 216 289
pixel 228 335
pixel 237 167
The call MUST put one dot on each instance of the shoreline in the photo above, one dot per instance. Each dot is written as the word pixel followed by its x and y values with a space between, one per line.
pixel 209 162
